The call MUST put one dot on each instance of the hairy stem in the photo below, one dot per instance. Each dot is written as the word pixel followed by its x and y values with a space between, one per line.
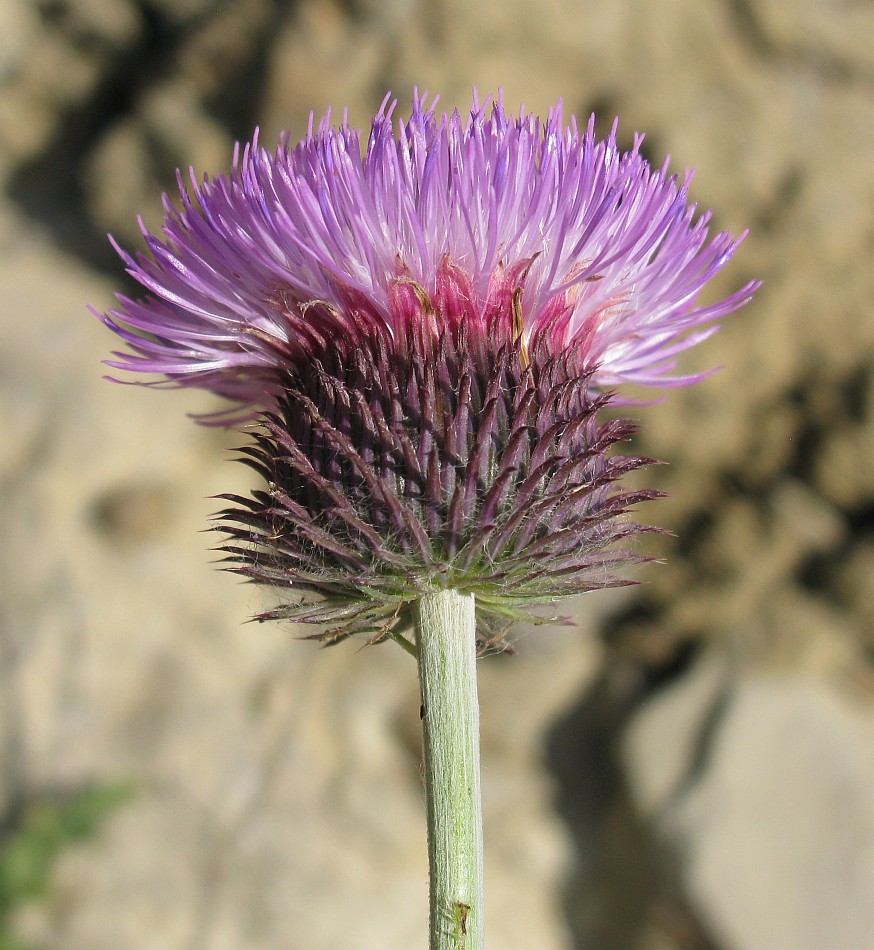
pixel 446 642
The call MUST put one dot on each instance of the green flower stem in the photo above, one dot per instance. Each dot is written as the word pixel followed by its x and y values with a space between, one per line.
pixel 446 642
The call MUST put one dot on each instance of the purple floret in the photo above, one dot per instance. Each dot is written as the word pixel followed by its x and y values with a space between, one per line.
pixel 584 244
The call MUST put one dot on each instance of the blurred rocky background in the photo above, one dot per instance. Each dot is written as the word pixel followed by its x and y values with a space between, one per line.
pixel 692 768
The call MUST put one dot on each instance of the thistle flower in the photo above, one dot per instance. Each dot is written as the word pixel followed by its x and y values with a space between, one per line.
pixel 427 333
pixel 427 330
pixel 575 241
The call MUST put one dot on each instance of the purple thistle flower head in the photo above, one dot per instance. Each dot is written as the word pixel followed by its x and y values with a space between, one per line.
pixel 425 329
pixel 570 240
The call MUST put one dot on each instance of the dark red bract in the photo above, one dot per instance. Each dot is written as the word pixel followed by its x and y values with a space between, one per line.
pixel 398 466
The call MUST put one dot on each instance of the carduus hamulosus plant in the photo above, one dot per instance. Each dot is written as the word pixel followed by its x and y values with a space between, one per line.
pixel 428 328
pixel 424 332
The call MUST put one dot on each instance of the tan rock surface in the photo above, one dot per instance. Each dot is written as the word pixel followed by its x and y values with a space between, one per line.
pixel 770 815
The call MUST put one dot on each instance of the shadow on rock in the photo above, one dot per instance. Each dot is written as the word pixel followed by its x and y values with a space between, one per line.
pixel 622 892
